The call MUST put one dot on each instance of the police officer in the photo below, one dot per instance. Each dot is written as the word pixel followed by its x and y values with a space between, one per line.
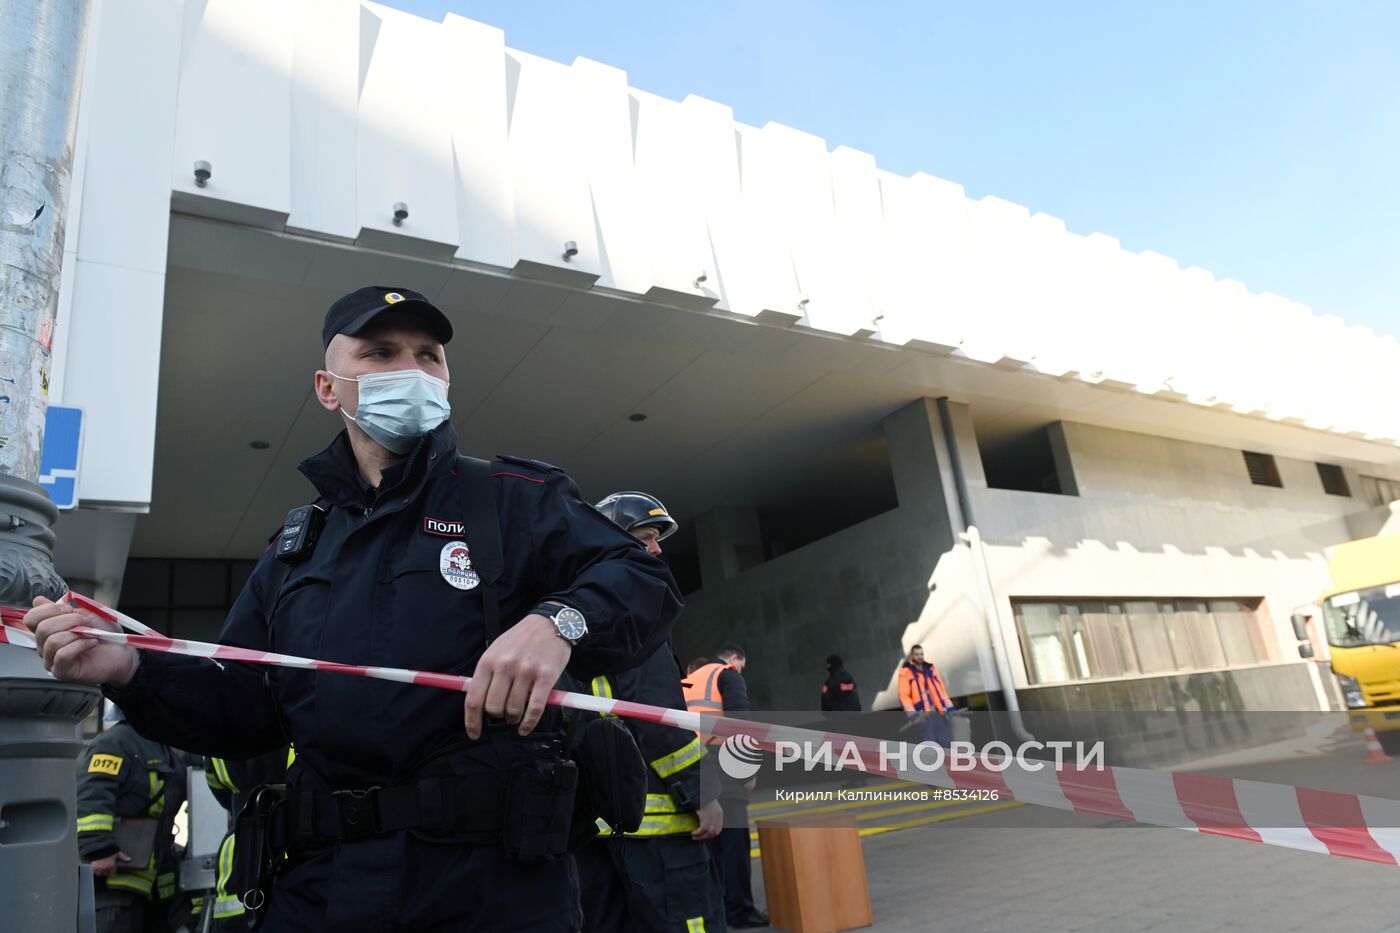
pixel 129 788
pixel 659 878
pixel 232 783
pixel 397 817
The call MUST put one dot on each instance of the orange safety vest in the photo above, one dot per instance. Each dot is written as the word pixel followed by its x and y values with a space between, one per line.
pixel 701 689
pixel 922 689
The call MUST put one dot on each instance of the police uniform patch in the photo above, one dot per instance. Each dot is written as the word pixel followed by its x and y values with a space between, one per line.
pixel 443 528
pixel 455 563
pixel 105 764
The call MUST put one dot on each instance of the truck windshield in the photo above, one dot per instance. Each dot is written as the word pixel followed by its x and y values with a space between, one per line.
pixel 1363 617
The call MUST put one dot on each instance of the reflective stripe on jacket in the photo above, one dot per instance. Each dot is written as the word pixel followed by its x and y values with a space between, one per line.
pixel 663 815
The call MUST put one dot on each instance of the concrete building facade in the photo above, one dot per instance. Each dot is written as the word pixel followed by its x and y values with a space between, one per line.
pixel 756 329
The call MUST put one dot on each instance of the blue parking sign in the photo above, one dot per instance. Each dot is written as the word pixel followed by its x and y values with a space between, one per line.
pixel 58 464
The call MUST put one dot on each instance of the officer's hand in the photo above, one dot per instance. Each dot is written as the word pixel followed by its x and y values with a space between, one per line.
pixel 711 821
pixel 69 656
pixel 106 867
pixel 514 676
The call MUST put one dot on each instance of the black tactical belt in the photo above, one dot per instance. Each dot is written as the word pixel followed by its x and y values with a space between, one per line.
pixel 464 808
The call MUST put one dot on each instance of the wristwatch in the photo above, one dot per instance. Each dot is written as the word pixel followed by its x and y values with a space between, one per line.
pixel 568 621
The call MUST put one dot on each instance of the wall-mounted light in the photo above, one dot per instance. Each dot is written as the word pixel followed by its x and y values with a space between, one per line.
pixel 570 250
pixel 702 278
pixel 802 299
pixel 203 171
pixel 400 213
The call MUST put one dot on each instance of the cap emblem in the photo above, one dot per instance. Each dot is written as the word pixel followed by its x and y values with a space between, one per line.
pixel 393 298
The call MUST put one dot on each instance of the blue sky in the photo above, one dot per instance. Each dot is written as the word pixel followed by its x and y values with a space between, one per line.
pixel 1259 140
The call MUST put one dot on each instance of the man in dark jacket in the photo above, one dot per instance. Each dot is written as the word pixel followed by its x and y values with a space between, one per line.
pixel 129 789
pixel 718 687
pixel 397 817
pixel 839 692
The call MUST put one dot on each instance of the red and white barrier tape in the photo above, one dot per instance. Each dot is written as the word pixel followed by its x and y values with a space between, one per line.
pixel 1327 822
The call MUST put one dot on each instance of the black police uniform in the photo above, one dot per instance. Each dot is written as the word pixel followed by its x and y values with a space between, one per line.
pixel 375 591
pixel 658 878
pixel 125 776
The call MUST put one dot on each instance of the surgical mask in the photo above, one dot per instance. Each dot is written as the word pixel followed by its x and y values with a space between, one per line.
pixel 399 407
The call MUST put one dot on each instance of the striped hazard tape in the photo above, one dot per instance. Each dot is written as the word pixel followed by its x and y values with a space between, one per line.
pixel 1327 822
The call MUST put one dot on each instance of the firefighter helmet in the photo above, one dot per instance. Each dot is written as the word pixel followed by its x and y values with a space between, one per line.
pixel 633 510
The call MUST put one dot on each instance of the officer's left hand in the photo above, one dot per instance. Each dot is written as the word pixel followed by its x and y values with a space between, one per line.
pixel 515 675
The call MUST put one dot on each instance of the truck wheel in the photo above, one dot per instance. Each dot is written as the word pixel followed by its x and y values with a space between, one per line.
pixel 1390 741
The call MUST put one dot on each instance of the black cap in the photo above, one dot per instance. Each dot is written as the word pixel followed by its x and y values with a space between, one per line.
pixel 355 311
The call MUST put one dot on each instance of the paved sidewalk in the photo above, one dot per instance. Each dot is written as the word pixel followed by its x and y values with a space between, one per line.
pixel 1033 868
pixel 997 872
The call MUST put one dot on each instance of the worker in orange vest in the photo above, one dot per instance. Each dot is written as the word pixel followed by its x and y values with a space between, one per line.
pixel 717 687
pixel 924 696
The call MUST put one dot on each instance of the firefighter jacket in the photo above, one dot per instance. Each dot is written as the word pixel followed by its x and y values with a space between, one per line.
pixel 232 783
pixel 675 787
pixel 124 776
pixel 921 689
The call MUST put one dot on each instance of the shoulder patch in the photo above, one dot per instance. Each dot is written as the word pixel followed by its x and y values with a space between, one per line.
pixel 539 465
pixel 105 764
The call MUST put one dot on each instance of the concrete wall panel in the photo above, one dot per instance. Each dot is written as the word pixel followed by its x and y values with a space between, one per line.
pixel 669 158
pixel 115 341
pixel 604 153
pixel 859 230
pixel 552 200
pixel 235 110
pixel 476 63
pixel 324 128
pixel 405 141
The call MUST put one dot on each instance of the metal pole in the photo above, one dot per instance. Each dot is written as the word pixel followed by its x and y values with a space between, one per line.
pixel 41 55
pixel 40 74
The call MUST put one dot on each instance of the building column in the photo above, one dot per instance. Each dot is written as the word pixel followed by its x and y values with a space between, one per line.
pixel 919 461
pixel 729 542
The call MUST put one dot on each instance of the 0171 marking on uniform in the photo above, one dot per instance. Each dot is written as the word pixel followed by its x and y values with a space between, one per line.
pixel 105 764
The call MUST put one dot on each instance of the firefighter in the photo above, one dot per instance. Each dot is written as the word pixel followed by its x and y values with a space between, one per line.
pixel 232 782
pixel 659 878
pixel 406 808
pixel 924 697
pixel 129 789
pixel 718 687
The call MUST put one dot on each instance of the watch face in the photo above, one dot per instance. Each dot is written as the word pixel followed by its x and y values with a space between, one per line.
pixel 570 624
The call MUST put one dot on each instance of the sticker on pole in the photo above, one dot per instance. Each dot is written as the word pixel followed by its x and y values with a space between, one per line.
pixel 58 464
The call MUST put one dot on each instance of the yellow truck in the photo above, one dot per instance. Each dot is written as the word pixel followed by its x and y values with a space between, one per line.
pixel 1361 613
